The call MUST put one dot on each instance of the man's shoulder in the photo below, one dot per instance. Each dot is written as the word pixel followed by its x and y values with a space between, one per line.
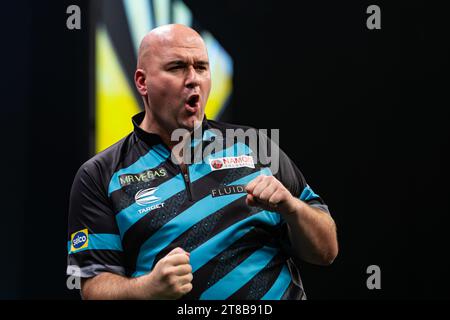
pixel 105 162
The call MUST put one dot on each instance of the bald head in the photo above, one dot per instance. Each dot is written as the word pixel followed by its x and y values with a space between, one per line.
pixel 159 39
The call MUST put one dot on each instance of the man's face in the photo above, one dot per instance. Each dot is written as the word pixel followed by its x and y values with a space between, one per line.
pixel 178 81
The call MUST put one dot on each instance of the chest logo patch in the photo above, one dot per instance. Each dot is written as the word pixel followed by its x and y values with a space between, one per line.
pixel 146 196
pixel 146 176
pixel 231 162
pixel 224 191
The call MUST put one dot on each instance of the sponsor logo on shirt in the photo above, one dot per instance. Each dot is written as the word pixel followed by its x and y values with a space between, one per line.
pixel 146 196
pixel 216 164
pixel 146 176
pixel 151 208
pixel 79 240
pixel 224 191
pixel 231 162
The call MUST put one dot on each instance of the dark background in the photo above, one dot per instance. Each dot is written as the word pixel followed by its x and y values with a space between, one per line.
pixel 363 114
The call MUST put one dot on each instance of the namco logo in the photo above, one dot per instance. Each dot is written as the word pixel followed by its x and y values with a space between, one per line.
pixel 231 162
pixel 79 240
pixel 216 164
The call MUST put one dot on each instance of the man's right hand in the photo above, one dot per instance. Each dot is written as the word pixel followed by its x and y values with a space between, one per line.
pixel 170 278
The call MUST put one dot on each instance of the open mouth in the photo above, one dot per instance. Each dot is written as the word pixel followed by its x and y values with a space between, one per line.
pixel 193 102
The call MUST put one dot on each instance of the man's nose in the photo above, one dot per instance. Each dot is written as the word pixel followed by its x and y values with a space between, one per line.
pixel 192 78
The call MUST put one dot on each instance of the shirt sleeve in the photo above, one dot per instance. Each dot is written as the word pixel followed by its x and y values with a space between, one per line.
pixel 292 178
pixel 94 243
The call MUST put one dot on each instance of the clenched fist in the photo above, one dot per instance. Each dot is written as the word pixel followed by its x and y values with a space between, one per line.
pixel 268 193
pixel 171 278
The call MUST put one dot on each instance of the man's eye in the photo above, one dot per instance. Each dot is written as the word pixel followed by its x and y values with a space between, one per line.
pixel 175 68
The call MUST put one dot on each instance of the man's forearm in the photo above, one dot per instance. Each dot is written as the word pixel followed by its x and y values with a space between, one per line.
pixel 109 286
pixel 170 279
pixel 312 233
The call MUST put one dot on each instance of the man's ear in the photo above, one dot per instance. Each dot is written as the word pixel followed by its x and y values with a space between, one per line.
pixel 139 81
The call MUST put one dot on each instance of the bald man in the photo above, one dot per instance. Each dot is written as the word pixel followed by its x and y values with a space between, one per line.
pixel 142 226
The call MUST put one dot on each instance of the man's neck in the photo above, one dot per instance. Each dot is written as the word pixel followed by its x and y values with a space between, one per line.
pixel 151 126
pixel 165 137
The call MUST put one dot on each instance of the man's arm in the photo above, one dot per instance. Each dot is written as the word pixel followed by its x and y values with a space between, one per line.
pixel 110 286
pixel 312 232
pixel 170 279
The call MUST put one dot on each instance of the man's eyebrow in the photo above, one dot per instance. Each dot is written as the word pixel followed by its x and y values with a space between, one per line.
pixel 182 63
pixel 176 62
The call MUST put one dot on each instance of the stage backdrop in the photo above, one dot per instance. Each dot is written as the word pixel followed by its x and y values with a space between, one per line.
pixel 120 26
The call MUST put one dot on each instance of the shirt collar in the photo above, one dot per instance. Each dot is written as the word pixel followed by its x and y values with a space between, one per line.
pixel 152 138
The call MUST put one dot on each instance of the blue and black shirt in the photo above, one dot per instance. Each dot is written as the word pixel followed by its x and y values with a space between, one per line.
pixel 130 205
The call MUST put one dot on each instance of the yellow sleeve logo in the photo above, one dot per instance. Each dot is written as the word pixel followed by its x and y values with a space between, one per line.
pixel 79 240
